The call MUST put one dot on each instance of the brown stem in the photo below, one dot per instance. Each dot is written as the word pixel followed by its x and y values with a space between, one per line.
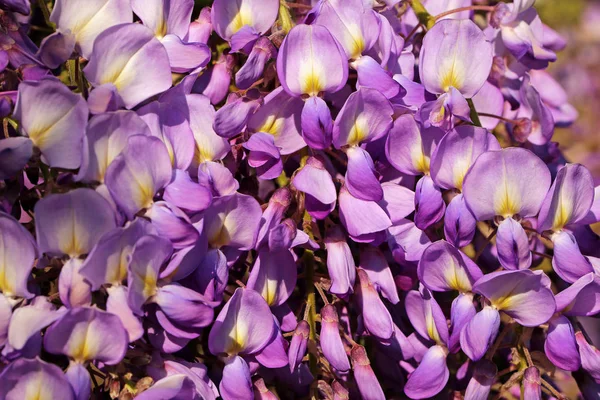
pixel 461 9
pixel 551 389
pixel 415 29
pixel 528 356
pixel 548 256
pixel 499 339
pixel 321 293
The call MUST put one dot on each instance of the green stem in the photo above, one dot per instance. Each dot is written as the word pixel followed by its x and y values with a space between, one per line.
pixel 424 17
pixel 44 8
pixel 474 116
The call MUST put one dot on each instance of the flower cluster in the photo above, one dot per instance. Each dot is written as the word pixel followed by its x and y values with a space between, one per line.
pixel 268 199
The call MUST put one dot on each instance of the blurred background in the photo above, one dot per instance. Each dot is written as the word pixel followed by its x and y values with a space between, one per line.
pixel 578 71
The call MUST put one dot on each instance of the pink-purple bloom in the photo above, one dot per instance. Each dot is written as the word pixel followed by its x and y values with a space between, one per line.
pixel 338 198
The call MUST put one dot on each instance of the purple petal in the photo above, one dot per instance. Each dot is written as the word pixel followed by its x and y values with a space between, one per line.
pixel 173 387
pixel 73 289
pixel 560 346
pixel 568 262
pixel 233 221
pixel 302 71
pixel 23 377
pixel 443 268
pixel 106 137
pixel 87 20
pixel 164 16
pixel 56 49
pixel 231 119
pixel 582 298
pixel 148 255
pixel 131 58
pixel 489 100
pixel 184 307
pixel 73 222
pixel 15 152
pixel 479 333
pixel 340 263
pixel 352 23
pixel 262 51
pixel 372 75
pixel 86 334
pixel 459 222
pixel 480 385
pixel 134 177
pixel 398 202
pixel 172 223
pixel 430 377
pixel 455 54
pixel 107 262
pixel 18 251
pixel 186 194
pixel 408 148
pixel 491 190
pixel 361 180
pixel 373 262
pixel 366 116
pixel 462 311
pixel 298 344
pixel 80 381
pixel 57 131
pixel 280 116
pixel 236 383
pixel 512 245
pixel 331 341
pixel 264 155
pixel 361 217
pixel 590 356
pixel 244 325
pixel 521 294
pixel 429 204
pixel 407 241
pixel 209 146
pixel 376 317
pixel 457 151
pixel 367 382
pixel 218 178
pixel 274 354
pixel 185 57
pixel 117 304
pixel 317 125
pixel 569 199
pixel 228 18
pixel 274 276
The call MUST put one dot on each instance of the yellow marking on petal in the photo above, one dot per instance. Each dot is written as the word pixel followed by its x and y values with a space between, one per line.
pixel 39 134
pixel 421 162
pixel 506 205
pixel 35 389
pixel 242 18
pixel 82 349
pixel 203 154
pixel 237 338
pixel 311 84
pixel 431 328
pixel 359 131
pixel 562 216
pixel 272 125
pixel 6 285
pixel 219 237
pixel 356 44
pixel 452 77
pixel 457 279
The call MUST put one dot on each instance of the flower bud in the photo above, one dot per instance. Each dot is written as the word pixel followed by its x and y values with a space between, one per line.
pixel 298 344
pixel 367 382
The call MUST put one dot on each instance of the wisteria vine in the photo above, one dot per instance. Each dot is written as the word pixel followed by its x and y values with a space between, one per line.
pixel 330 199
